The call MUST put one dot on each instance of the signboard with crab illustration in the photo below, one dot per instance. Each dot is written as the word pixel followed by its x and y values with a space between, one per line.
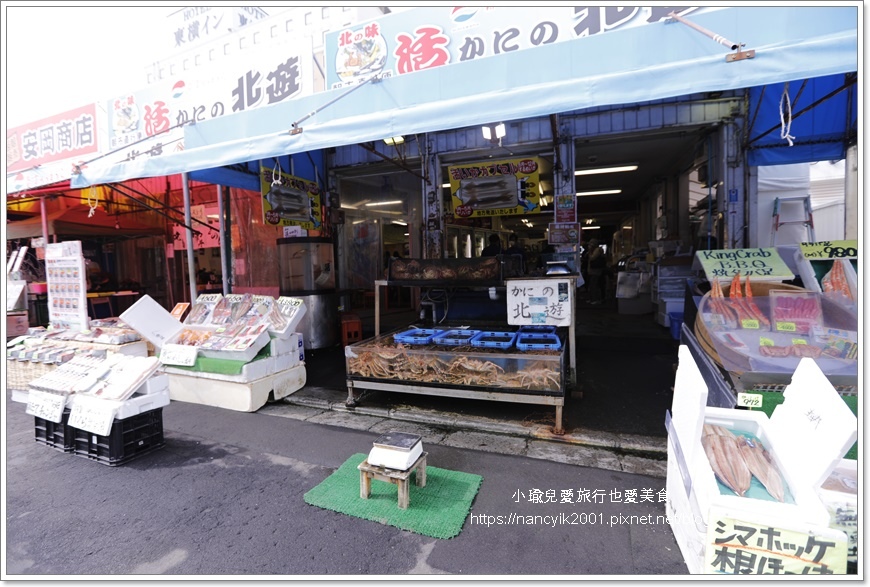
pixel 289 200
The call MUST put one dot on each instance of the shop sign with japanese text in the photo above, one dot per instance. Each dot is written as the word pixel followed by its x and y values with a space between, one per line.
pixel 151 122
pixel 564 233
pixel 195 25
pixel 71 135
pixel 289 200
pixel 566 207
pixel 759 264
pixel 206 231
pixel 434 36
pixel 496 188
pixel 741 547
pixel 548 302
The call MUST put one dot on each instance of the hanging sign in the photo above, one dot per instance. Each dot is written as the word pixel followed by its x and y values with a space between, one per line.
pixel 48 406
pixel 496 188
pixel 540 302
pixel 566 208
pixel 289 200
pixel 750 547
pixel 93 415
pixel 759 264
pixel 564 233
pixel 830 250
pixel 67 285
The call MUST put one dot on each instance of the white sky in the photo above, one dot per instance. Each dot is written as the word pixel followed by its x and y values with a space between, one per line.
pixel 60 57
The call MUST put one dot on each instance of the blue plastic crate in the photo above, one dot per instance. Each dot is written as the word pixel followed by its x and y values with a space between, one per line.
pixel 533 341
pixel 538 329
pixel 455 337
pixel 494 339
pixel 417 336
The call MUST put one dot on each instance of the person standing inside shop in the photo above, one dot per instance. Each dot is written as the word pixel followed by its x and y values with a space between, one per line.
pixel 597 264
pixel 493 248
pixel 514 248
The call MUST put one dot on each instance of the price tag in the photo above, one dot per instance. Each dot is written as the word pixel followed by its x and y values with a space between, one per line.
pixel 750 324
pixel 764 341
pixel 749 400
pixel 93 415
pixel 178 354
pixel 798 341
pixel 786 326
pixel 48 406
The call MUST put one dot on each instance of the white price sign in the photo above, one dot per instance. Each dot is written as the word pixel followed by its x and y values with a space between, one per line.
pixel 48 406
pixel 93 415
pixel 178 354
pixel 752 401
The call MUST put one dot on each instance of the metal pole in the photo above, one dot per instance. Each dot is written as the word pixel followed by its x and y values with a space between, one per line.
pixel 191 271
pixel 44 221
pixel 718 38
pixel 222 224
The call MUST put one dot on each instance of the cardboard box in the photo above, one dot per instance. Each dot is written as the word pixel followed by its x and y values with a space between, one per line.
pixel 806 436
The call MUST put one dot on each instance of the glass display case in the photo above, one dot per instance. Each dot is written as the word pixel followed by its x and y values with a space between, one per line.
pixel 306 269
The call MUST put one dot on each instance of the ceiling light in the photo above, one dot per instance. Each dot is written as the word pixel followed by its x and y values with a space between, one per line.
pixel 494 132
pixel 599 193
pixel 626 228
pixel 400 222
pixel 394 140
pixel 596 170
pixel 591 227
pixel 390 203
pixel 445 185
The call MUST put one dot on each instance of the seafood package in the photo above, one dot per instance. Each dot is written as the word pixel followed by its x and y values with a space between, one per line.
pixel 773 332
pixel 201 311
pixel 835 284
pixel 737 459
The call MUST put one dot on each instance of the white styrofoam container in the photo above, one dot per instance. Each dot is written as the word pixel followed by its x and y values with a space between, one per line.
pixel 296 309
pixel 804 456
pixel 152 394
pixel 242 397
pixel 839 493
pixel 250 371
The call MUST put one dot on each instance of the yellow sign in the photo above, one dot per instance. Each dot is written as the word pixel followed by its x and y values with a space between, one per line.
pixel 830 250
pixel 759 264
pixel 289 200
pixel 496 188
pixel 738 547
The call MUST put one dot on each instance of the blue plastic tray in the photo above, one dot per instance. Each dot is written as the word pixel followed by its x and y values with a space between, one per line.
pixel 542 329
pixel 533 341
pixel 495 340
pixel 417 336
pixel 455 337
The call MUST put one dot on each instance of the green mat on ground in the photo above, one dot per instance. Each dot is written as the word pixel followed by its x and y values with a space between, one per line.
pixel 437 510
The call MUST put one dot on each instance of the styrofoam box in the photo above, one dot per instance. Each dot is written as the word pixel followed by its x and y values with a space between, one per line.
pixel 152 394
pixel 243 397
pixel 839 493
pixel 688 525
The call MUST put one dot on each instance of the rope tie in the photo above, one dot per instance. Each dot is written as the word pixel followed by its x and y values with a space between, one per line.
pixel 276 175
pixel 785 131
pixel 93 207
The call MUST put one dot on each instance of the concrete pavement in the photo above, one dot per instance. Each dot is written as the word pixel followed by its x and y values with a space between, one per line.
pixel 223 497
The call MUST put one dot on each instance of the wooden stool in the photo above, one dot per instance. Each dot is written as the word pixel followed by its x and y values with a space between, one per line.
pixel 398 477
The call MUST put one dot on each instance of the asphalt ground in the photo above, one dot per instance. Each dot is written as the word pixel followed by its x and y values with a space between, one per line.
pixel 224 498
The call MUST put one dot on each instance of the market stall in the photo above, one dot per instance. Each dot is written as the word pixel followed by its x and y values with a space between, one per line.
pixel 520 351
pixel 236 351
pixel 775 363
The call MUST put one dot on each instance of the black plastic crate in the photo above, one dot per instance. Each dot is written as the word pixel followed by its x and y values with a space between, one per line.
pixel 57 435
pixel 128 439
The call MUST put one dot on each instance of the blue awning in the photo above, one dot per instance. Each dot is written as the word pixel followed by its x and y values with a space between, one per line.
pixel 660 60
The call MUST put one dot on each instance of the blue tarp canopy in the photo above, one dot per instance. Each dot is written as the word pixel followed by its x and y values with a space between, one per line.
pixel 817 120
pixel 656 61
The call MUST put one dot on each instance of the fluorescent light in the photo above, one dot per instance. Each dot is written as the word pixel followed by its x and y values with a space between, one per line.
pixel 626 227
pixel 390 203
pixel 357 221
pixel 394 140
pixel 445 185
pixel 599 193
pixel 400 222
pixel 596 170
pixel 590 227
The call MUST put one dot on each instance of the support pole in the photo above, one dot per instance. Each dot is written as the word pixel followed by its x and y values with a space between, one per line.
pixel 222 211
pixel 44 222
pixel 191 270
